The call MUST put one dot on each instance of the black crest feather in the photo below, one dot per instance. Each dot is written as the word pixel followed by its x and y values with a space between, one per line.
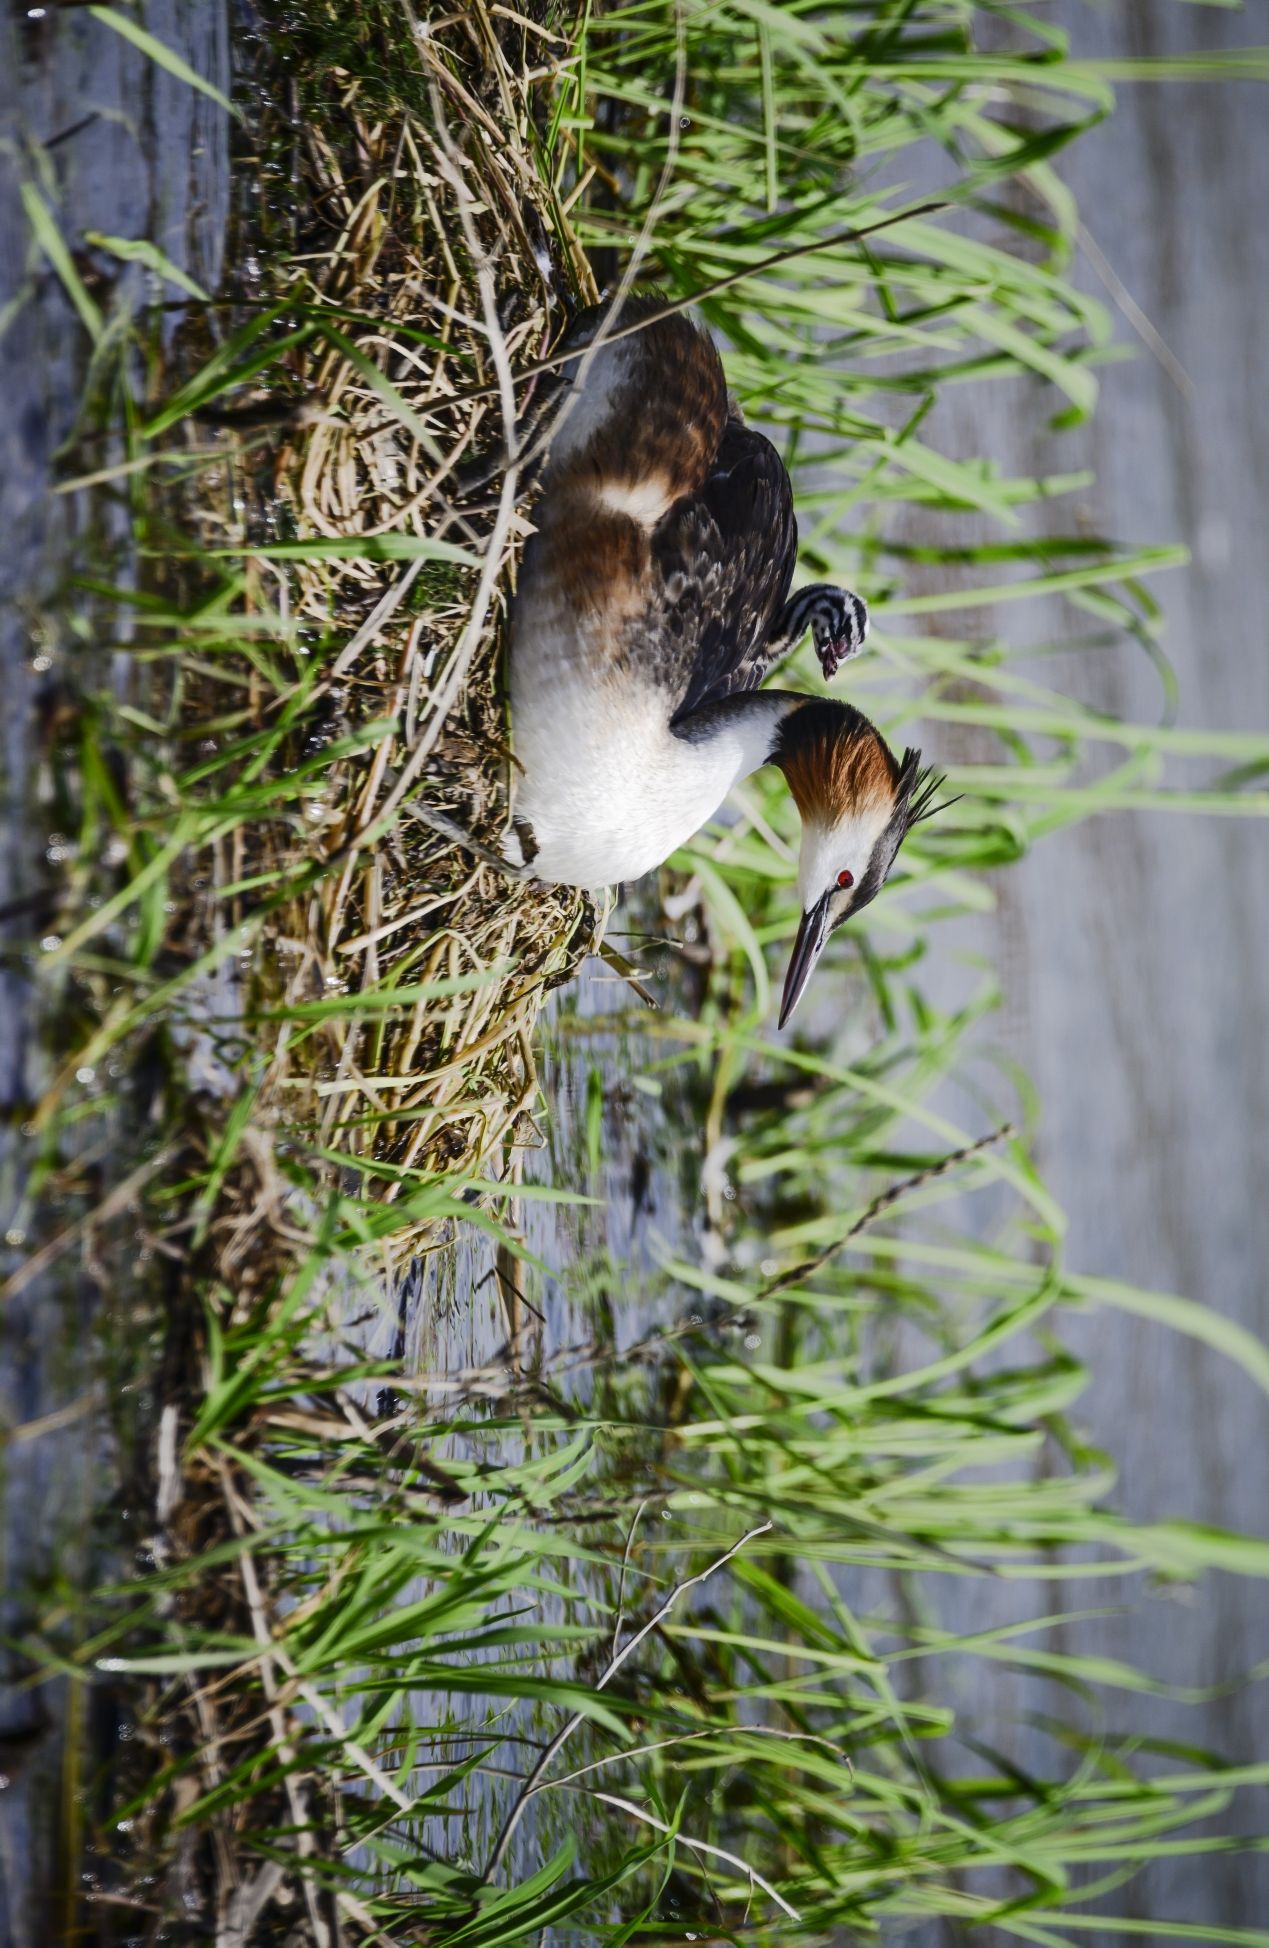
pixel 920 785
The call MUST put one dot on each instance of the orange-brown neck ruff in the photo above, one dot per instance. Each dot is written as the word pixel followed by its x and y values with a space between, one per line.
pixel 835 762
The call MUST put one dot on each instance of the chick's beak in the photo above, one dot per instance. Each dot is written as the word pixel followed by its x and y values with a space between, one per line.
pixel 806 951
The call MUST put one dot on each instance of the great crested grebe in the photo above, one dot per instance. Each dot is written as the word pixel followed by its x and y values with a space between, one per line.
pixel 653 600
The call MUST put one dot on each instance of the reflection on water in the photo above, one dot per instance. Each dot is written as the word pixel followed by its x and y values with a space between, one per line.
pixel 1135 951
pixel 620 1128
pixel 119 146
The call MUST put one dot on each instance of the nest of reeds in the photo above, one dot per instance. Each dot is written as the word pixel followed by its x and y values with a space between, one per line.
pixel 436 269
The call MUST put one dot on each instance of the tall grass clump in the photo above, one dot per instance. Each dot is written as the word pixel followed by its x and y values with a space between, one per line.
pixel 601 1640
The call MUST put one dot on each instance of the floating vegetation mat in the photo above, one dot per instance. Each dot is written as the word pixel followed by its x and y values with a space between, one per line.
pixel 421 270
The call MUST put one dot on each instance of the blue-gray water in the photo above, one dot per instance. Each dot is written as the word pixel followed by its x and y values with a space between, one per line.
pixel 1134 950
pixel 112 144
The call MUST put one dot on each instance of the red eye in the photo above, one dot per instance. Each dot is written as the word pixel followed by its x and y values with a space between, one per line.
pixel 845 878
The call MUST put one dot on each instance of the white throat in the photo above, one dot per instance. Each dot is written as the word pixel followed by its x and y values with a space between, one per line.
pixel 829 850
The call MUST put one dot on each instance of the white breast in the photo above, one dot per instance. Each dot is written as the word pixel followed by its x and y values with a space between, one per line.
pixel 606 787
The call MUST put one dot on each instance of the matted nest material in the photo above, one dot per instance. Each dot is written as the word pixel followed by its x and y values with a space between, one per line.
pixel 439 281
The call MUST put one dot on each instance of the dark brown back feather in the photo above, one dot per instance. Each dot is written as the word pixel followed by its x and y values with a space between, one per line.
pixel 665 423
pixel 723 561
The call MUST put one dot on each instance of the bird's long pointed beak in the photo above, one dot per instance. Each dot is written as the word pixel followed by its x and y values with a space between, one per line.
pixel 806 951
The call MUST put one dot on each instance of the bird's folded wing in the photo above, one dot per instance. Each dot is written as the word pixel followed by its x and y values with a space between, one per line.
pixel 722 563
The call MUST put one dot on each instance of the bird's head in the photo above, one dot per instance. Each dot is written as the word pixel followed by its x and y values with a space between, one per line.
pixel 858 802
